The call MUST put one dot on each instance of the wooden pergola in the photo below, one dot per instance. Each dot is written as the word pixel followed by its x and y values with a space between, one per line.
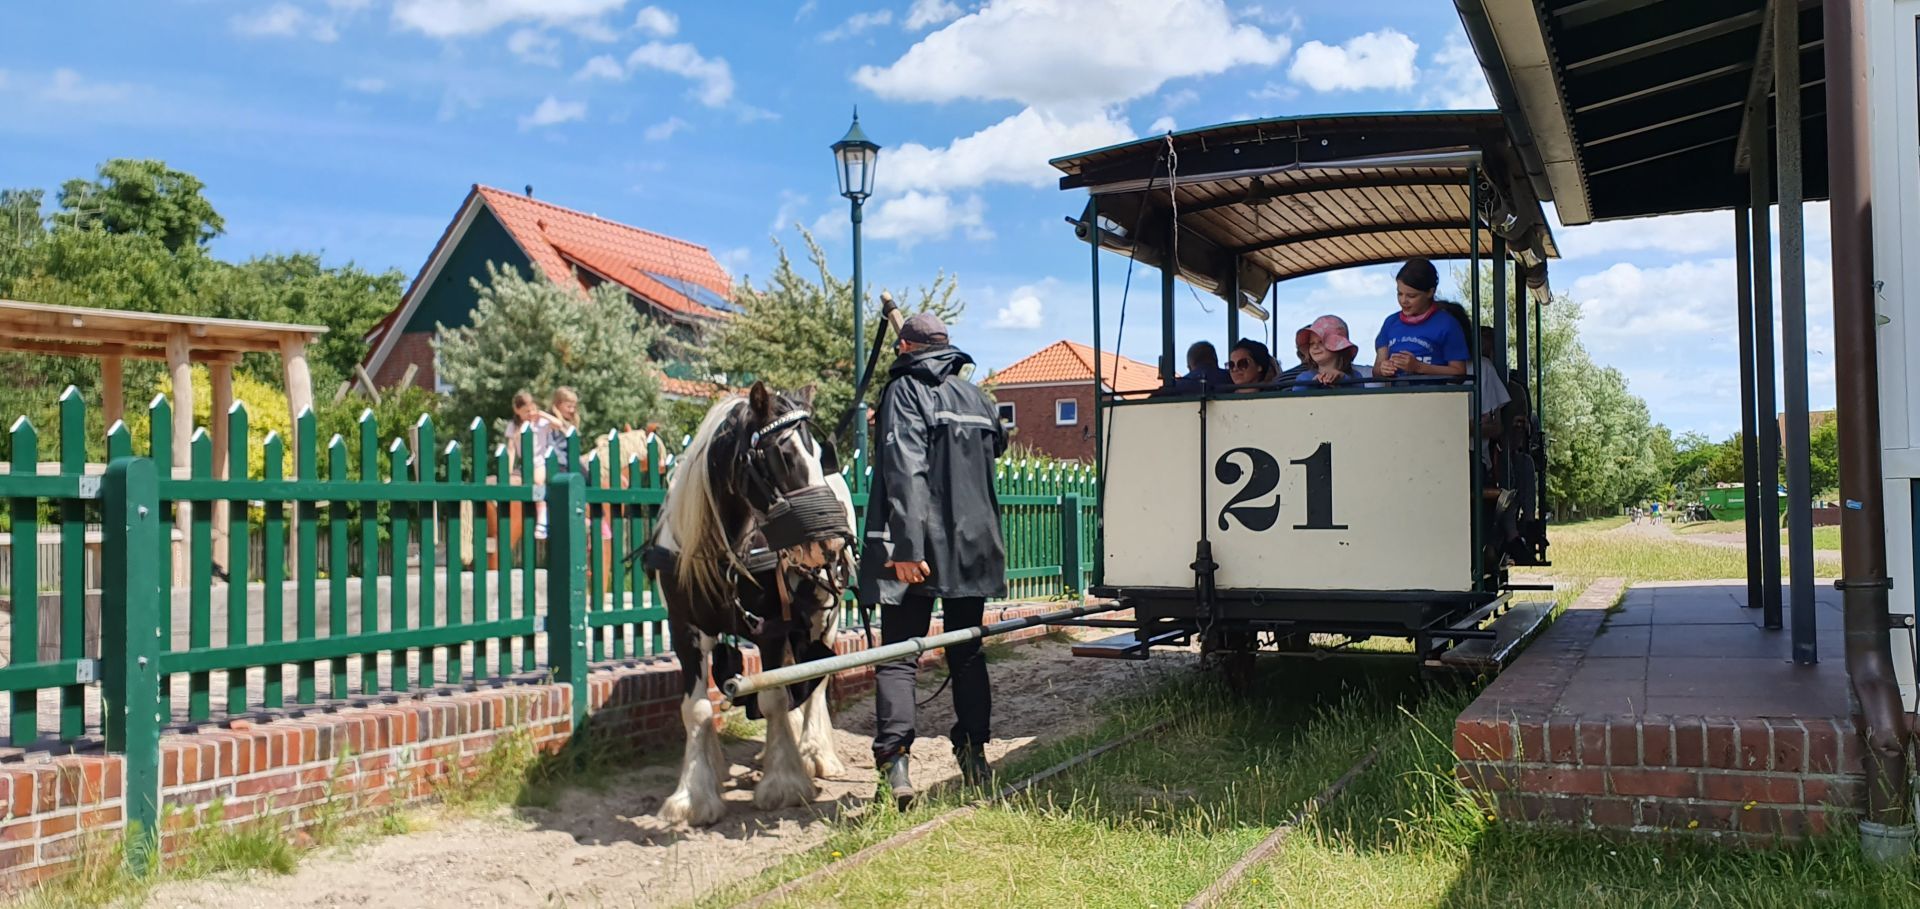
pixel 113 336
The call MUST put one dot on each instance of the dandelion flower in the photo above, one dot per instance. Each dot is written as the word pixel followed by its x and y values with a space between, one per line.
pixel 1693 824
pixel 1748 806
pixel 836 853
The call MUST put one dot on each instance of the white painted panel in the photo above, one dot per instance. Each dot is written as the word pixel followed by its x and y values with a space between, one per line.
pixel 1895 131
pixel 1899 512
pixel 1308 492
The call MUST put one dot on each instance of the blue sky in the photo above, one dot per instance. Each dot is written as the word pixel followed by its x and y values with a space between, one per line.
pixel 354 127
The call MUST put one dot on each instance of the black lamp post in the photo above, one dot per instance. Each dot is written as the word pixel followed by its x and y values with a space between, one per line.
pixel 855 156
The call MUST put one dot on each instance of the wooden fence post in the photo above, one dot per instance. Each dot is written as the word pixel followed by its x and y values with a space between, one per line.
pixel 132 712
pixel 567 588
pixel 1070 571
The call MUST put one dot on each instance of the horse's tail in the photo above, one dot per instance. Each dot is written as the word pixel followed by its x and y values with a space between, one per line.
pixel 690 524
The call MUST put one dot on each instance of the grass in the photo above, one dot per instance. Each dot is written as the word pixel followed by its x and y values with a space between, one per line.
pixel 1584 550
pixel 1824 538
pixel 1147 824
pixel 1407 835
pixel 104 879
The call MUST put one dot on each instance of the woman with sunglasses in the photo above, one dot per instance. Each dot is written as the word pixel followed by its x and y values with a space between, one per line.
pixel 1251 365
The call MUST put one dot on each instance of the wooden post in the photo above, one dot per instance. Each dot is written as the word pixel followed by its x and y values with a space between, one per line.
pixel 221 376
pixel 113 403
pixel 293 364
pixel 182 371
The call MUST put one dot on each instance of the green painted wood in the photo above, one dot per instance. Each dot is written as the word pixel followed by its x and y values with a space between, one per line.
pixel 338 566
pixel 1070 553
pixel 456 567
pixel 273 577
pixel 73 561
pixel 239 555
pixel 25 638
pixel 567 628
pixel 503 546
pixel 306 465
pixel 200 579
pixel 403 490
pixel 619 472
pixel 132 709
pixel 529 543
pixel 160 452
pixel 596 580
pixel 217 658
pixel 477 442
pixel 400 544
pixel 368 515
pixel 425 472
pixel 42 674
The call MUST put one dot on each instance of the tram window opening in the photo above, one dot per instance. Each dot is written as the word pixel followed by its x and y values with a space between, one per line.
pixel 1066 412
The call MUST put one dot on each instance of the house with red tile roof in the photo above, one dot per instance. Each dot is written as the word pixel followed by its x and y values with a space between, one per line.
pixel 1046 398
pixel 677 283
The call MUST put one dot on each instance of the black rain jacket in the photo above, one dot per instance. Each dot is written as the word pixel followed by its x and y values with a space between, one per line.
pixel 933 500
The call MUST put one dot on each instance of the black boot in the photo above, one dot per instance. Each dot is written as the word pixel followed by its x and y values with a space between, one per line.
pixel 974 770
pixel 899 785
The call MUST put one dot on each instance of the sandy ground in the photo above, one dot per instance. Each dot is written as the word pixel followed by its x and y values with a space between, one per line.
pixel 604 848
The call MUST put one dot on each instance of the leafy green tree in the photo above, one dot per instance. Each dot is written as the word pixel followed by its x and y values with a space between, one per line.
pixel 145 197
pixel 797 332
pixel 1823 457
pixel 535 335
pixel 296 288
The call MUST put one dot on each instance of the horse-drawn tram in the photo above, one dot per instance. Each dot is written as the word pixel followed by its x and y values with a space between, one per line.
pixel 1302 517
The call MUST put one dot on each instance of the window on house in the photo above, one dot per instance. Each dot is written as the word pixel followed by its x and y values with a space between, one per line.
pixel 1066 412
pixel 1006 413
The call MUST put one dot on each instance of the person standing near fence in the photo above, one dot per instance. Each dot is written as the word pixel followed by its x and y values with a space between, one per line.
pixel 932 532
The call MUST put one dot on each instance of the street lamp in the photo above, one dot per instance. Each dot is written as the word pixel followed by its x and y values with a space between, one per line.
pixel 855 156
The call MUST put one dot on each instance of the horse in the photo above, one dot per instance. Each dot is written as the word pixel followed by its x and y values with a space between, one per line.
pixel 755 541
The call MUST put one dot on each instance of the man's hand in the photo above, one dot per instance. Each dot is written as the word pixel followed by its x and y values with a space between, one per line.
pixel 910 572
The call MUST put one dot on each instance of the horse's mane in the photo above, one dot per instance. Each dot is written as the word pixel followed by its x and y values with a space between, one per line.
pixel 692 513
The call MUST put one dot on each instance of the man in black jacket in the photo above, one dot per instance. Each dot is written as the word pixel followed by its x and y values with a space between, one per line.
pixel 932 531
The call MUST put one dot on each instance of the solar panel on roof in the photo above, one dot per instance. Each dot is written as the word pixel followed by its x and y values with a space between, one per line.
pixel 695 292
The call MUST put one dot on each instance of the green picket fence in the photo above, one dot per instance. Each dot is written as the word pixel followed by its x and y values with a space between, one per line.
pixel 390 565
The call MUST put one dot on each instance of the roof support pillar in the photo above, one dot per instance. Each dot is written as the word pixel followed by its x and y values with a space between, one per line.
pixel 299 382
pixel 1766 425
pixel 1168 269
pixel 220 376
pixel 1793 324
pixel 1233 308
pixel 113 389
pixel 1749 453
pixel 181 371
pixel 1501 268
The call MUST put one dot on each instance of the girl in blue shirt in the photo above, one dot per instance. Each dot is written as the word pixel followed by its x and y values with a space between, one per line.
pixel 1420 339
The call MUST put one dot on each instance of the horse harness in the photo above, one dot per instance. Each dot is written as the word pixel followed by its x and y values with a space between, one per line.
pixel 809 516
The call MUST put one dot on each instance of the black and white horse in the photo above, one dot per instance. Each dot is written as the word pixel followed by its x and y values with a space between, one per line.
pixel 755 541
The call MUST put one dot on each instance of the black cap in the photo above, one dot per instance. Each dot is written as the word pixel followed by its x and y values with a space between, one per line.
pixel 924 328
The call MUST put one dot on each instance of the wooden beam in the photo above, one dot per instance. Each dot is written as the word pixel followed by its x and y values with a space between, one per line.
pixel 221 378
pixel 293 362
pixel 137 352
pixel 113 404
pixel 180 368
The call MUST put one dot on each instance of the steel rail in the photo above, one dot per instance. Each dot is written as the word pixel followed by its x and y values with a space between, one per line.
pixel 1224 884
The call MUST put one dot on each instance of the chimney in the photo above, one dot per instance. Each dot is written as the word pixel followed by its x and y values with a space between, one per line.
pixel 529 190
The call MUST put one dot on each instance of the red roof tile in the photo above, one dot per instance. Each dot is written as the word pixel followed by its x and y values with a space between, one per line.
pixel 689 388
pixel 1067 362
pixel 553 236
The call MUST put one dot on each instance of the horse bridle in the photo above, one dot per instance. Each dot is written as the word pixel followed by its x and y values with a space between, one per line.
pixel 801 517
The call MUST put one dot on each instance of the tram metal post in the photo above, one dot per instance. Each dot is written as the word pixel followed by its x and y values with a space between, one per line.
pixel 1793 326
pixel 1168 269
pixel 1473 371
pixel 1233 309
pixel 1749 457
pixel 1540 407
pixel 1099 418
pixel 1766 426
pixel 1500 265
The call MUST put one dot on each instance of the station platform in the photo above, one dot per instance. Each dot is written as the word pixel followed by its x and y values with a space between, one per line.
pixel 1673 711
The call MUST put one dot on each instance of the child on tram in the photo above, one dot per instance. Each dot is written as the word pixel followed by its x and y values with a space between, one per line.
pixel 1329 353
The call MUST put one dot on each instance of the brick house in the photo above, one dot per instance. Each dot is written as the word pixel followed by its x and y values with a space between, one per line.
pixel 677 283
pixel 1046 398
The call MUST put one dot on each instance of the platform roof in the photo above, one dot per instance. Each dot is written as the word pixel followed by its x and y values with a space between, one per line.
pixel 1636 107
pixel 1295 196
pixel 80 331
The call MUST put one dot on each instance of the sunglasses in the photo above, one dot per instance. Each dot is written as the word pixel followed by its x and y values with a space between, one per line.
pixel 1240 364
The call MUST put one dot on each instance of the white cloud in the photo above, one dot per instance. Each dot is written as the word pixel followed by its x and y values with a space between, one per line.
pixel 1015 150
pixel 714 77
pixel 915 216
pixel 601 67
pixel 534 46
pixel 790 205
pixel 457 18
pixel 1162 125
pixel 1678 235
pixel 1375 60
pixel 857 23
pixel 284 20
pixel 927 13
pixel 736 259
pixel 1039 53
pixel 69 87
pixel 656 22
pixel 806 9
pixel 1176 100
pixel 1285 19
pixel 1025 310
pixel 664 130
pixel 554 111
pixel 1274 91
pixel 368 85
pixel 1456 81
pixel 1354 286
pixel 1660 308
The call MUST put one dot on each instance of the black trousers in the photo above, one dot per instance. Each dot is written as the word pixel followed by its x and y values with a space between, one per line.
pixel 894 681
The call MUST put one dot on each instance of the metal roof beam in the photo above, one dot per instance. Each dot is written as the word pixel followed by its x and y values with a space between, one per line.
pixel 1269 192
pixel 1521 38
pixel 1587 12
pixel 1343 232
pixel 1665 43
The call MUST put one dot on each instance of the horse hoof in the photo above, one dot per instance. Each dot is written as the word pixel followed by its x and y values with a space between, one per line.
pixel 825 765
pixel 776 792
pixel 683 808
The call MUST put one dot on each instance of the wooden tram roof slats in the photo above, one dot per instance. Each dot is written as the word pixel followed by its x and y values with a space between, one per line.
pixel 87 332
pixel 1297 196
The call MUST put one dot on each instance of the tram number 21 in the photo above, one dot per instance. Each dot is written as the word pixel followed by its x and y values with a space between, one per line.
pixel 1251 505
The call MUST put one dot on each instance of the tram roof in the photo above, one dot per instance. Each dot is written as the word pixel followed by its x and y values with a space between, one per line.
pixel 1293 196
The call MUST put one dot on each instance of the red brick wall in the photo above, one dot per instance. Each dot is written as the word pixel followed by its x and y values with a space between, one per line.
pixel 1033 419
pixel 363 760
pixel 412 348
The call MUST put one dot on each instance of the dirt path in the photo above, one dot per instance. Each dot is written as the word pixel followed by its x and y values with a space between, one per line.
pixel 605 848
